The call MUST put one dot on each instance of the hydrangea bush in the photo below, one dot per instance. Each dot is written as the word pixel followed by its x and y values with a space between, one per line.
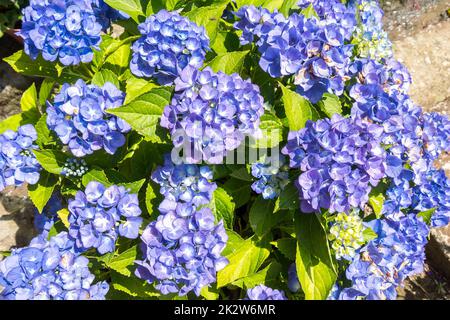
pixel 209 149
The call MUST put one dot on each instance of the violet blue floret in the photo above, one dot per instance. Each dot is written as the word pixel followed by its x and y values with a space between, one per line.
pixel 262 292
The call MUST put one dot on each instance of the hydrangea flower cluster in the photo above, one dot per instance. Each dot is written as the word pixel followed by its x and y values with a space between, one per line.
pixel 99 215
pixel 370 39
pixel 262 292
pixel 48 270
pixel 312 49
pixel 272 174
pixel 67 31
pixel 74 167
pixel 169 43
pixel 383 264
pixel 211 113
pixel 341 159
pixel 436 134
pixel 79 118
pixel 182 248
pixel 346 235
pixel 45 220
pixel 17 161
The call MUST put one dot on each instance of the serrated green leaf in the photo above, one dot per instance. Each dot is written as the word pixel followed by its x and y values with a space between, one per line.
pixel 95 174
pixel 133 286
pixel 287 247
pixel 229 63
pixel 45 90
pixel 268 276
pixel 261 216
pixel 288 199
pixel 51 160
pixel 222 206
pixel 11 123
pixel 210 293
pixel 369 234
pixel 256 3
pixel 315 269
pixel 234 242
pixel 119 60
pixel 131 7
pixel 287 6
pixel 376 202
pixel 123 261
pixel 29 99
pixel 330 104
pixel 272 132
pixel 103 76
pixel 136 87
pixel 208 17
pixel 143 113
pixel 239 190
pixel 44 136
pixel 297 108
pixel 133 187
pixel 41 192
pixel 246 260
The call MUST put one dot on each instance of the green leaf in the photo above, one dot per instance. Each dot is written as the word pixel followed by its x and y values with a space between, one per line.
pixel 136 87
pixel 234 242
pixel 314 264
pixel 246 260
pixel 44 136
pixel 287 247
pixel 11 123
pixel 297 108
pixel 330 104
pixel 63 215
pixel 45 90
pixel 272 132
pixel 109 46
pixel 51 160
pixel 208 17
pixel 152 199
pixel 239 190
pixel 256 3
pixel 267 276
pixel 119 60
pixel 123 261
pixel 41 192
pixel 229 63
pixel 272 5
pixel 134 187
pixel 287 6
pixel 95 175
pixel 210 293
pixel 376 202
pixel 132 286
pixel 310 12
pixel 222 206
pixel 22 63
pixel 131 7
pixel 427 215
pixel 369 234
pixel 288 199
pixel 143 113
pixel 29 100
pixel 261 216
pixel 103 76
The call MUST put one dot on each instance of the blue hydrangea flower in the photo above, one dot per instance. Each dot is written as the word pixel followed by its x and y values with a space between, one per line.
pixel 383 264
pixel 17 161
pixel 272 174
pixel 370 39
pixel 436 134
pixel 169 43
pixel 341 159
pixel 45 220
pixel 211 114
pixel 262 292
pixel 313 49
pixel 99 215
pixel 78 116
pixel 182 248
pixel 293 282
pixel 48 270
pixel 67 31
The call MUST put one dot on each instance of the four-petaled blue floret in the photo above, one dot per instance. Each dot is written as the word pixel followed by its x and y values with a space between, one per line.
pixel 263 292
pixel 272 174
pixel 79 117
pixel 99 215
pixel 17 161
pixel 169 43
